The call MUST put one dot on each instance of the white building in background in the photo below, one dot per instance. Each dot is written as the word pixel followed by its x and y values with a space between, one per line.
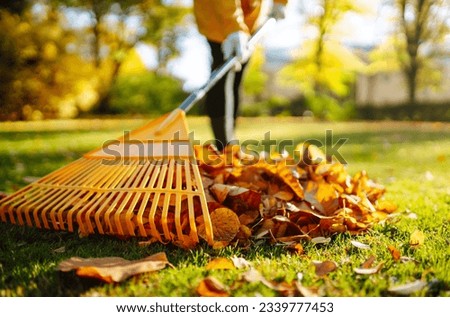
pixel 390 88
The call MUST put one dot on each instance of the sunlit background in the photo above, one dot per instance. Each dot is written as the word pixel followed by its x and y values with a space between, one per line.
pixel 334 60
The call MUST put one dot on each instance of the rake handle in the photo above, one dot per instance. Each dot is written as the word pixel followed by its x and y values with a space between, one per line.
pixel 216 75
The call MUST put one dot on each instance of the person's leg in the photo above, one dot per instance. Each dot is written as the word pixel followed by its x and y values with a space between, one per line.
pixel 215 101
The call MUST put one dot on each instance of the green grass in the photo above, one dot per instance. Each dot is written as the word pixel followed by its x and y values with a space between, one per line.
pixel 410 159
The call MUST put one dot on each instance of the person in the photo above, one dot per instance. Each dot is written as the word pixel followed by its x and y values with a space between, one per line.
pixel 227 26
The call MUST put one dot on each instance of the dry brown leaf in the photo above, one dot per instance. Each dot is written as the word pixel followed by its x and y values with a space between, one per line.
pixel 417 238
pixel 244 234
pixel 220 264
pixel 368 263
pixel 396 255
pixel 249 217
pixel 325 267
pixel 211 287
pixel 113 269
pixel 245 200
pixel 221 191
pixel 225 224
pixel 296 248
pixel 284 195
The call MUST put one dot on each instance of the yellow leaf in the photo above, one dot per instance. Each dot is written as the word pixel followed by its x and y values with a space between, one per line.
pixel 417 238
pixel 220 264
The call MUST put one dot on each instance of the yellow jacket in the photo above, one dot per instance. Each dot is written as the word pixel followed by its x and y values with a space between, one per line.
pixel 216 19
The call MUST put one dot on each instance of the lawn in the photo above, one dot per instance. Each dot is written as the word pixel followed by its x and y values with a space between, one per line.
pixel 410 158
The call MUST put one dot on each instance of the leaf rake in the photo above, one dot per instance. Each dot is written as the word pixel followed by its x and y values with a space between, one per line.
pixel 146 183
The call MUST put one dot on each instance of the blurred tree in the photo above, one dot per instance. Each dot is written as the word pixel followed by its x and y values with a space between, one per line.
pixel 324 68
pixel 60 57
pixel 421 28
pixel 36 71
pixel 255 79
pixel 16 6
pixel 117 26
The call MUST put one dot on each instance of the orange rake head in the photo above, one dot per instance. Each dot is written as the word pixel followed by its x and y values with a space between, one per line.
pixel 146 183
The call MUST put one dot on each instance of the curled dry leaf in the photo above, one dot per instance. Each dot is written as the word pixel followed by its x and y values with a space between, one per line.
pixel 220 264
pixel 325 267
pixel 396 255
pixel 321 240
pixel 211 287
pixel 113 269
pixel 360 245
pixel 408 288
pixel 221 191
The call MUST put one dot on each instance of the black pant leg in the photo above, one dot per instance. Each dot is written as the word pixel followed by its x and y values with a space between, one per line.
pixel 215 98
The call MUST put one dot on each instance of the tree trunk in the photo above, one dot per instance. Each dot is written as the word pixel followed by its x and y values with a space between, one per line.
pixel 411 76
pixel 104 106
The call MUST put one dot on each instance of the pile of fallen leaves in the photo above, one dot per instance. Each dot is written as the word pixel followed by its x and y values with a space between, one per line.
pixel 284 199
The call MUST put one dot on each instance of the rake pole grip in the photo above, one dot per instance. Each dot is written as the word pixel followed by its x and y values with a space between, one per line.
pixel 216 75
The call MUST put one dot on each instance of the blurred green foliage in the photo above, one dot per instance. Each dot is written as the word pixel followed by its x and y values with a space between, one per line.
pixel 148 93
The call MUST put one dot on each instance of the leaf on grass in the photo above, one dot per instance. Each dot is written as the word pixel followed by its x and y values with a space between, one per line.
pixel 225 224
pixel 368 263
pixel 220 264
pixel 325 267
pixel 240 262
pixel 59 250
pixel 113 269
pixel 321 240
pixel 417 238
pixel 368 271
pixel 359 245
pixel 296 248
pixel 211 287
pixel 405 259
pixel 407 289
pixel 254 276
pixel 396 255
